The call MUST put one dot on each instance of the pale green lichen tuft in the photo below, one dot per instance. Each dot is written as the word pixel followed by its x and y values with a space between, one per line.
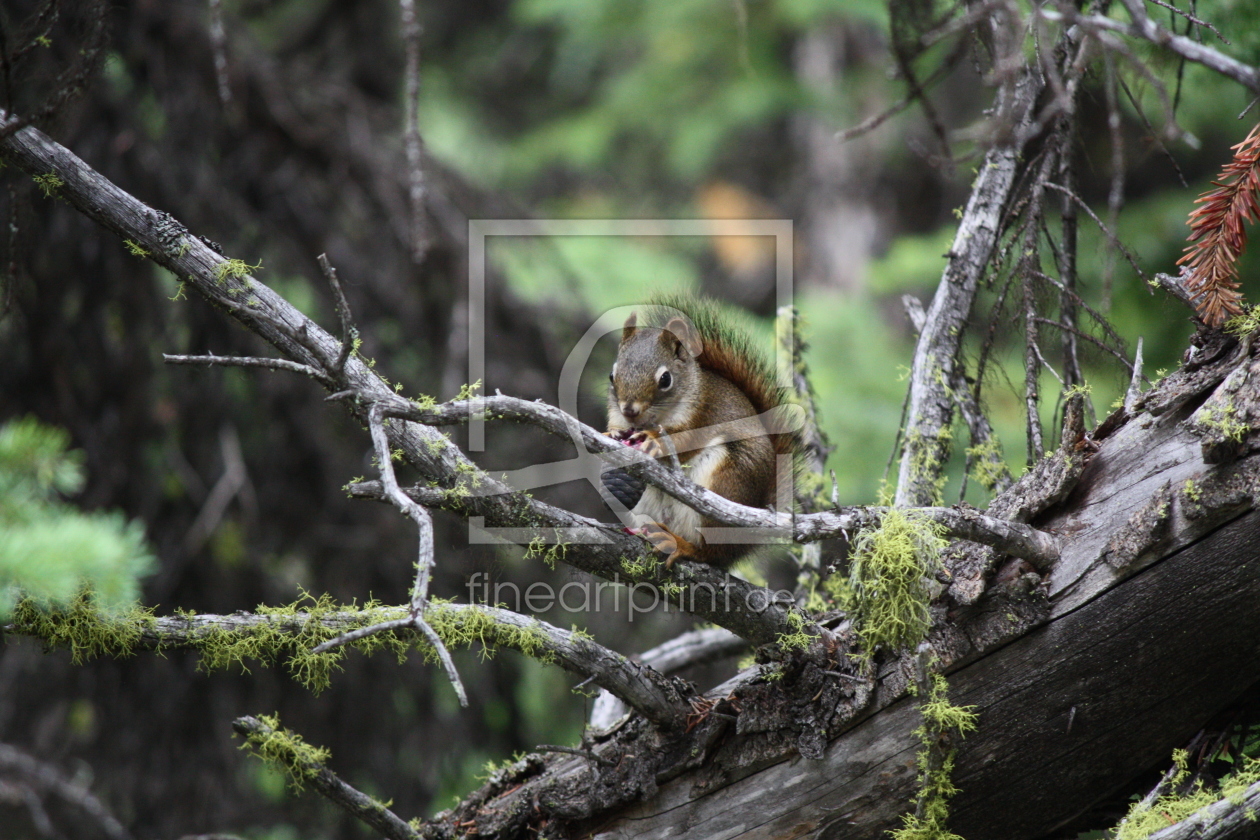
pixel 988 467
pixel 287 752
pixel 941 720
pixel 1241 326
pixel 1080 390
pixel 82 627
pixel 134 249
pixel 798 639
pixel 236 269
pixel 1144 820
pixel 1224 421
pixel 888 590
pixel 48 184
pixel 472 625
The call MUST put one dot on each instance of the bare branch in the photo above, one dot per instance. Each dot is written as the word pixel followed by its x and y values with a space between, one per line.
pixel 695 647
pixel 1135 383
pixel 349 334
pixel 247 361
pixel 1143 27
pixel 424 562
pixel 44 778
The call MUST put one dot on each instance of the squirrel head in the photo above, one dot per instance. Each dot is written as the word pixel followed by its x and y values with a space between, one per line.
pixel 656 378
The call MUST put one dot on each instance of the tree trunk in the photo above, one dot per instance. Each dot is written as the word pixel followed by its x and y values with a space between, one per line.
pixel 1143 630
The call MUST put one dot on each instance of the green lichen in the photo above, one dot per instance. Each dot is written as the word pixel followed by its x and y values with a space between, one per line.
pixel 287 752
pixel 134 249
pixel 927 461
pixel 548 552
pixel 1241 326
pixel 48 184
pixel 798 639
pixel 471 625
pixel 638 568
pixel 942 720
pixel 235 269
pixel 1224 421
pixel 82 627
pixel 1144 820
pixel 179 293
pixel 1084 389
pixel 988 467
pixel 290 635
pixel 467 392
pixel 888 589
pixel 1192 491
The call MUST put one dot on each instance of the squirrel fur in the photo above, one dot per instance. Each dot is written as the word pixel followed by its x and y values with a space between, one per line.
pixel 698 381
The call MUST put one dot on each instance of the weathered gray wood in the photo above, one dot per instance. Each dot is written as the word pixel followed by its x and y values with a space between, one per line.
pixel 1137 690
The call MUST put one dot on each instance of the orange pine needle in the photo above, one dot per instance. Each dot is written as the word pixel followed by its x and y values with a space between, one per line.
pixel 1218 235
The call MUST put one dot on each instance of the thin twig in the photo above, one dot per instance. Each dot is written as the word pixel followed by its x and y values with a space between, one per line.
pixel 349 333
pixel 248 361
pixel 424 562
pixel 329 785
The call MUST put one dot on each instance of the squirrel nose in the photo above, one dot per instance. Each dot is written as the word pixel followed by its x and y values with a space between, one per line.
pixel 630 410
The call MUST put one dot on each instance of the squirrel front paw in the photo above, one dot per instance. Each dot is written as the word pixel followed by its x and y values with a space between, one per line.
pixel 667 542
pixel 647 442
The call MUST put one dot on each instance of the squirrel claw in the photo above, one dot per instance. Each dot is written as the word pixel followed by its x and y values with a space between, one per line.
pixel 666 542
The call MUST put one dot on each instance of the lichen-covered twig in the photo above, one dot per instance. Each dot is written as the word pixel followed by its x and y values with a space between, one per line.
pixel 424 562
pixel 1010 537
pixel 930 411
pixel 305 765
pixel 293 634
pixel 695 647
pixel 985 453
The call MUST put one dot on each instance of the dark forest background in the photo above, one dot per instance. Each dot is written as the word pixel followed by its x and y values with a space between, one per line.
pixel 293 147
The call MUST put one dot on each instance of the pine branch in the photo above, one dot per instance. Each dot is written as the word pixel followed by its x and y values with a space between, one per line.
pixel 1218 235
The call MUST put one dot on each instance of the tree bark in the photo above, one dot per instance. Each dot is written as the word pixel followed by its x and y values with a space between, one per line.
pixel 1082 679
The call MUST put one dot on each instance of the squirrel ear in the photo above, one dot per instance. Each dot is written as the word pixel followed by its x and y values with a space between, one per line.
pixel 686 334
pixel 629 328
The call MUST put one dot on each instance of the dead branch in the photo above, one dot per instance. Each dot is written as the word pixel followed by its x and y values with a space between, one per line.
pixel 329 785
pixel 930 412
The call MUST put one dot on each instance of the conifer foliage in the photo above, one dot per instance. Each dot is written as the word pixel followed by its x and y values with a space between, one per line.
pixel 1218 236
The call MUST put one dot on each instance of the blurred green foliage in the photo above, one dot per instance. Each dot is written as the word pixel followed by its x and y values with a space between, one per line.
pixel 634 109
pixel 50 550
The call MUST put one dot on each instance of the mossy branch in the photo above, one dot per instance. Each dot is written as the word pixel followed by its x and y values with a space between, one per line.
pixel 290 635
pixel 304 764
pixel 1037 547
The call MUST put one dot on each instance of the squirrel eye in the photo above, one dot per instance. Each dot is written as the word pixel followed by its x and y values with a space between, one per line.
pixel 666 380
